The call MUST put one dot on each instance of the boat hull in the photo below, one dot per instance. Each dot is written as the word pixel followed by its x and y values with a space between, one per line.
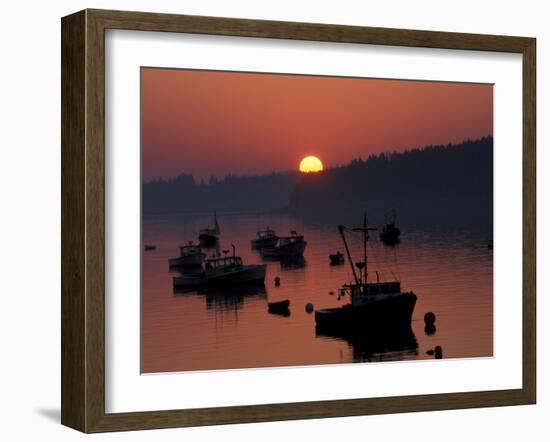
pixel 285 251
pixel 390 236
pixel 249 275
pixel 279 308
pixel 263 243
pixel 394 311
pixel 187 261
pixel 188 281
pixel 207 240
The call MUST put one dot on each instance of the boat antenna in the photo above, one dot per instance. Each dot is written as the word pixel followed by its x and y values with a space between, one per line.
pixel 365 230
pixel 341 230
pixel 216 225
pixel 365 239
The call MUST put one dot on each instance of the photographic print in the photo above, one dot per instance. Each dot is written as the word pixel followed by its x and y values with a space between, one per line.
pixel 297 220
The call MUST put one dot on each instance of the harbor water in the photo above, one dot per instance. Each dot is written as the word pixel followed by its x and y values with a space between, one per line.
pixel 449 268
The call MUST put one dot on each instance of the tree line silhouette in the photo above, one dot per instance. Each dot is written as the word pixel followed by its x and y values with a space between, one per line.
pixel 183 194
pixel 452 178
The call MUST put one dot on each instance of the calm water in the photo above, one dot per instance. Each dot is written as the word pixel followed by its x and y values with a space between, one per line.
pixel 450 270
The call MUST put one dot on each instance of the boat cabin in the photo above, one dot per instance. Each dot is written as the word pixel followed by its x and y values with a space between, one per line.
pixel 225 261
pixel 267 233
pixel 293 238
pixel 377 288
pixel 372 291
pixel 190 249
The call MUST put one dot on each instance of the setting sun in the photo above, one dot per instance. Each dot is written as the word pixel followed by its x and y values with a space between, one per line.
pixel 311 164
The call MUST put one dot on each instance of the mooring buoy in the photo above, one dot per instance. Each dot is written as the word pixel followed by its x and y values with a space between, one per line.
pixel 429 324
pixel 429 318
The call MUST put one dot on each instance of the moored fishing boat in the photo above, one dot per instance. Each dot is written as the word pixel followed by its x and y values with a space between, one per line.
pixel 390 233
pixel 336 258
pixel 372 304
pixel 223 270
pixel 287 247
pixel 265 239
pixel 190 255
pixel 208 237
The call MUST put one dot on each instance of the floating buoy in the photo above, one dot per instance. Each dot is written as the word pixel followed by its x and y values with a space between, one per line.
pixel 429 323
pixel 309 307
pixel 438 352
pixel 429 318
pixel 277 281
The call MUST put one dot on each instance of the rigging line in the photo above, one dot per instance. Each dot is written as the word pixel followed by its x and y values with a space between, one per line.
pixel 392 267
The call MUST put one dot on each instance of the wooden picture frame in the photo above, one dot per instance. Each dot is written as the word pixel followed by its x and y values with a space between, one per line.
pixel 83 220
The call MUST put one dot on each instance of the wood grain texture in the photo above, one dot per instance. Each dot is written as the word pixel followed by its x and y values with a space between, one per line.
pixel 83 219
pixel 95 222
pixel 529 220
pixel 73 252
pixel 145 21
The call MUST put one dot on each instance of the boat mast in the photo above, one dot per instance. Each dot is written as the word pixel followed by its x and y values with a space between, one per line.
pixel 365 230
pixel 341 230
pixel 216 225
pixel 365 239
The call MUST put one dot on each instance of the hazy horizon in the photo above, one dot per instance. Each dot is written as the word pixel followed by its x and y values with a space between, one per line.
pixel 290 171
pixel 216 123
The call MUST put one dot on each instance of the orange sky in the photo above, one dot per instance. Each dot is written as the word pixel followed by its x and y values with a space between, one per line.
pixel 215 123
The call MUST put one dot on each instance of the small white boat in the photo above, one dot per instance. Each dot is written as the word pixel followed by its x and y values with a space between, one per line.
pixel 265 239
pixel 190 255
pixel 287 246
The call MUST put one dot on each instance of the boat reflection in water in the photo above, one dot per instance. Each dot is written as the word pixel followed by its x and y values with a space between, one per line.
pixel 220 298
pixel 376 343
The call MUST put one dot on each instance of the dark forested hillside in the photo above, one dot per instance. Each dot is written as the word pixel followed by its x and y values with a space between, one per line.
pixel 230 194
pixel 448 178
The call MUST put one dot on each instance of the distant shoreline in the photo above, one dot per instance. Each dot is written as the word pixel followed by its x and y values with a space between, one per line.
pixel 441 182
